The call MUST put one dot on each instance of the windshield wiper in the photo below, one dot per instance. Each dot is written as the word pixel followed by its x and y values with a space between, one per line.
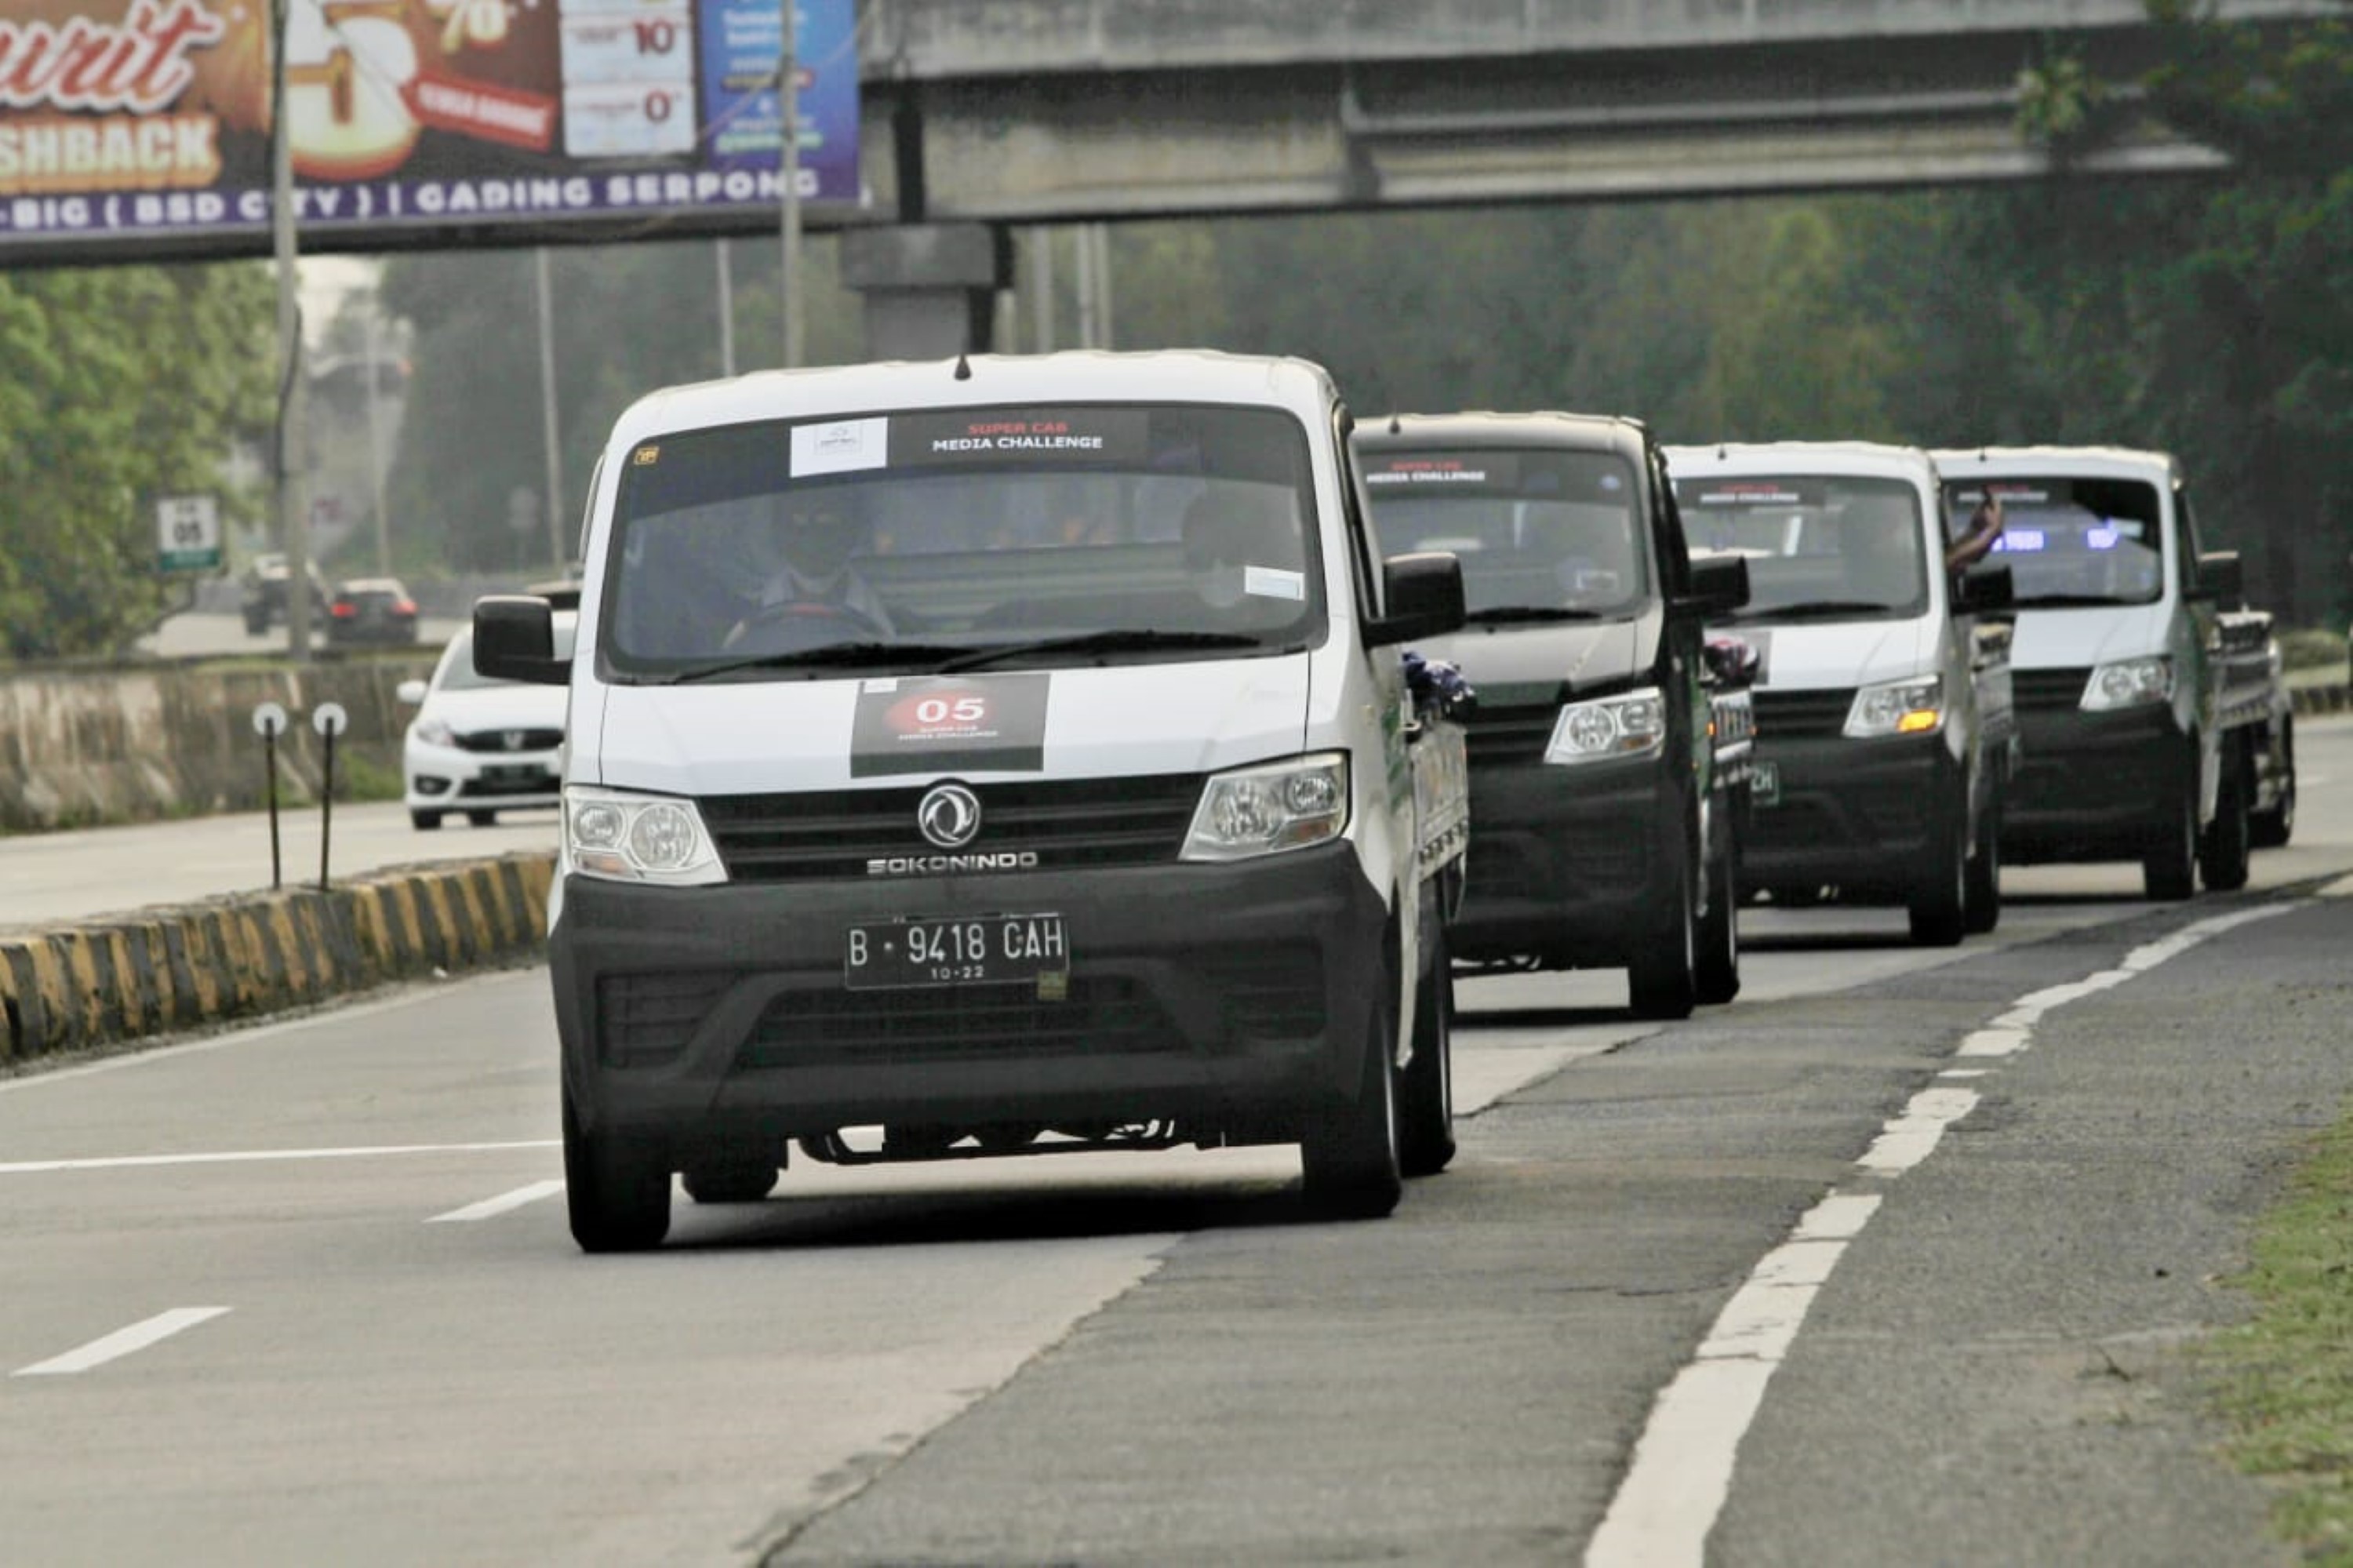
pixel 1138 639
pixel 831 656
pixel 1515 614
pixel 1814 609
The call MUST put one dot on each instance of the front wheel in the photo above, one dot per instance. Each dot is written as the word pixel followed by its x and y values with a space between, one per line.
pixel 1662 979
pixel 1938 906
pixel 615 1194
pixel 2272 828
pixel 426 820
pixel 2222 850
pixel 2169 871
pixel 1981 899
pixel 1718 975
pixel 1349 1161
pixel 1426 1095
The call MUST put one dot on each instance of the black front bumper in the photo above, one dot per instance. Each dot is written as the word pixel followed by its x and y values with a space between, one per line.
pixel 1872 817
pixel 1571 864
pixel 2095 786
pixel 1232 1000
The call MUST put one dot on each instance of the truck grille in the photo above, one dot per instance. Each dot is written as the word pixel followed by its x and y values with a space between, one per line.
pixel 1802 715
pixel 1104 1015
pixel 1066 824
pixel 2046 690
pixel 1497 735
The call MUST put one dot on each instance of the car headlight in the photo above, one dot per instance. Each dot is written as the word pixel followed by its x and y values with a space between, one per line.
pixel 637 838
pixel 2129 683
pixel 1631 725
pixel 434 732
pixel 1913 706
pixel 1269 808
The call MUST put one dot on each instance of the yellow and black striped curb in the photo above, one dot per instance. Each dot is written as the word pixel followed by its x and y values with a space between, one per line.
pixel 160 970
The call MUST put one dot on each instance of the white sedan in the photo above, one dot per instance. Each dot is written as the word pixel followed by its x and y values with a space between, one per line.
pixel 480 746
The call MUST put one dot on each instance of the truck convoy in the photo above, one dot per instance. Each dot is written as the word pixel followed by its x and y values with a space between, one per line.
pixel 2150 700
pixel 1001 756
pixel 1885 740
pixel 1608 763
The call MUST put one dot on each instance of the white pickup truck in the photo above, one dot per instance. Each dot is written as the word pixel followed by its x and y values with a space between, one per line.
pixel 2155 726
pixel 1003 757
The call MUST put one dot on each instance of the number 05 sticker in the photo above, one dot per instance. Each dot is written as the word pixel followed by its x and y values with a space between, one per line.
pixel 929 724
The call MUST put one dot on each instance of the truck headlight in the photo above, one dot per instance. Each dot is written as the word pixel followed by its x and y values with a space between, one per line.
pixel 624 837
pixel 1913 707
pixel 1631 725
pixel 1269 808
pixel 2129 683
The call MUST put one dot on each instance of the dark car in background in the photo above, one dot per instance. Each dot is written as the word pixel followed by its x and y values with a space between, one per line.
pixel 371 609
pixel 263 596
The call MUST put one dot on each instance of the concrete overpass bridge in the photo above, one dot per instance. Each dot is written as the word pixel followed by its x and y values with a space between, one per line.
pixel 1023 112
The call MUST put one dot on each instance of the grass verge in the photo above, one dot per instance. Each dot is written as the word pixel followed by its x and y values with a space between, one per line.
pixel 2284 1380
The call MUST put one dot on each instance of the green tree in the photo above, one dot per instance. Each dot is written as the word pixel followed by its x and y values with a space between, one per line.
pixel 119 386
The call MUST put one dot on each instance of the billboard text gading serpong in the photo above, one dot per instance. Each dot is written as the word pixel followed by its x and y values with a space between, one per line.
pixel 141 129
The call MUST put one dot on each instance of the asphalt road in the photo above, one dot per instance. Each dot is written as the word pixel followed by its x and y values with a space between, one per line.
pixel 303 1293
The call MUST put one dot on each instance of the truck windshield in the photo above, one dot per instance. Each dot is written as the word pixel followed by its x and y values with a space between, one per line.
pixel 1535 529
pixel 2071 543
pixel 1841 545
pixel 1011 534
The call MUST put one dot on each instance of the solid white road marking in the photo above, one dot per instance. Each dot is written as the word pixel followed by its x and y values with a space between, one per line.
pixel 121 1342
pixel 1682 1470
pixel 505 1202
pixel 233 1157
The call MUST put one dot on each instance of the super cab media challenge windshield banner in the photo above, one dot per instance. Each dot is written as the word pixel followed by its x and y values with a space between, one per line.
pixel 141 129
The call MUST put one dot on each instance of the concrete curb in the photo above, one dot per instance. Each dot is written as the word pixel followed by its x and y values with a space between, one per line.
pixel 181 967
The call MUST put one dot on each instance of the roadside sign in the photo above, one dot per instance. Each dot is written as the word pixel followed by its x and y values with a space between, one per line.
pixel 187 534
pixel 330 719
pixel 268 720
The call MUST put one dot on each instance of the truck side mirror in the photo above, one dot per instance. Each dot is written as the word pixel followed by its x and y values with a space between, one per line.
pixel 2221 577
pixel 1424 591
pixel 1985 588
pixel 514 639
pixel 1719 584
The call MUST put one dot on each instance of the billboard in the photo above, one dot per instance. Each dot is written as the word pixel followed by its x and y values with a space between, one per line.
pixel 141 130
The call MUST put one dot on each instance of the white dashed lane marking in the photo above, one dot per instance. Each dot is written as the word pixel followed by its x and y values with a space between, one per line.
pixel 505 1202
pixel 121 1342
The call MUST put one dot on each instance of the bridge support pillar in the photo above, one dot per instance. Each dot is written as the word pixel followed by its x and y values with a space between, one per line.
pixel 931 288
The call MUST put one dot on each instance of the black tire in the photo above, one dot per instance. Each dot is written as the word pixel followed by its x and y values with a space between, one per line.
pixel 1662 977
pixel 481 818
pixel 426 820
pixel 1349 1161
pixel 1981 897
pixel 1938 906
pixel 615 1194
pixel 2222 848
pixel 729 1183
pixel 2169 871
pixel 2272 828
pixel 1426 1089
pixel 1717 976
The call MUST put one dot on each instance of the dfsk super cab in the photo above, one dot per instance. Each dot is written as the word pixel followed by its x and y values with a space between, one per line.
pixel 1885 737
pixel 999 757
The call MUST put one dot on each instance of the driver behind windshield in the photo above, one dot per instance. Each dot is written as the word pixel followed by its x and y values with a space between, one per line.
pixel 814 593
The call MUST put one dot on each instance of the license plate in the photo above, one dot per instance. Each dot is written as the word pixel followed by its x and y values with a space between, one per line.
pixel 513 772
pixel 1764 783
pixel 977 949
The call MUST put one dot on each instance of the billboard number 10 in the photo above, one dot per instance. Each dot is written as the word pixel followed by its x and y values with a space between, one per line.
pixel 657 36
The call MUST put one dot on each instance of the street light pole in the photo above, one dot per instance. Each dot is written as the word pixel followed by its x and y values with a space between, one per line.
pixel 788 171
pixel 549 425
pixel 293 435
pixel 376 443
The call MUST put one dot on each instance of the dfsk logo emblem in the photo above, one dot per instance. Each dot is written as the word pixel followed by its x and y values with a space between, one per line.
pixel 948 816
